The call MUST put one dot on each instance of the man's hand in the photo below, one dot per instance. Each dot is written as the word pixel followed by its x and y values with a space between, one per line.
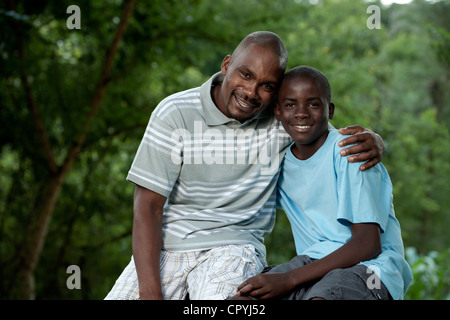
pixel 266 286
pixel 369 147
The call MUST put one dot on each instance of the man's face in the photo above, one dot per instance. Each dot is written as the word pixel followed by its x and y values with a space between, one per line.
pixel 250 82
pixel 304 112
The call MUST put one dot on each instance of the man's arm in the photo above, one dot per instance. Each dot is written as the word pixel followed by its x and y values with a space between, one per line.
pixel 370 146
pixel 364 245
pixel 147 240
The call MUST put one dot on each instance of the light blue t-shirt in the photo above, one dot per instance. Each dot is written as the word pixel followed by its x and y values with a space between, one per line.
pixel 322 194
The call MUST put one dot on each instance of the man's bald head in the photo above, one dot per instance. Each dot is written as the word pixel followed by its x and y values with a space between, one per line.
pixel 266 39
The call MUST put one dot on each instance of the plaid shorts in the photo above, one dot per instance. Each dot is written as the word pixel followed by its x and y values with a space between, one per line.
pixel 203 275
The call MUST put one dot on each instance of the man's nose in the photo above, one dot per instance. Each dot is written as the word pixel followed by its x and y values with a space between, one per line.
pixel 251 90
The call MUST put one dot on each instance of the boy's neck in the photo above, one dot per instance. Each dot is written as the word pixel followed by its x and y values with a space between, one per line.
pixel 305 151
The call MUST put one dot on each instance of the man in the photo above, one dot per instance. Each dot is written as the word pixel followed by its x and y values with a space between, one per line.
pixel 206 174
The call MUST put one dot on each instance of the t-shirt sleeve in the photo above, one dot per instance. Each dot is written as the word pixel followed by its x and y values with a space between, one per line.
pixel 157 163
pixel 364 196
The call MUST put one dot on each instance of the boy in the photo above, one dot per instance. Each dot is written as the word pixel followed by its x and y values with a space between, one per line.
pixel 347 238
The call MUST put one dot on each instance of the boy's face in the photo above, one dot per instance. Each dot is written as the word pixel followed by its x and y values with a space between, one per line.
pixel 304 111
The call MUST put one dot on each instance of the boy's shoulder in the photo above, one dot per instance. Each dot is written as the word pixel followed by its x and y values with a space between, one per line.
pixel 342 161
pixel 335 137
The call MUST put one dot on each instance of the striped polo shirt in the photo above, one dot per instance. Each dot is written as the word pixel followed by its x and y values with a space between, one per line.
pixel 219 175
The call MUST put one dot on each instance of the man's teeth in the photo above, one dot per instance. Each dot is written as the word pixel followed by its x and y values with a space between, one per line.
pixel 303 127
pixel 243 104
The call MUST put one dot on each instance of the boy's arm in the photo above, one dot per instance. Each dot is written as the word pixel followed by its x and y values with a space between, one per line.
pixel 365 244
pixel 147 240
pixel 370 146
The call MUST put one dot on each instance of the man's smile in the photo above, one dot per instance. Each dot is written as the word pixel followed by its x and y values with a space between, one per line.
pixel 244 104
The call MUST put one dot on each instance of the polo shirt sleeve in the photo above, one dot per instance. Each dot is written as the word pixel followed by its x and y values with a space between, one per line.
pixel 157 163
pixel 364 196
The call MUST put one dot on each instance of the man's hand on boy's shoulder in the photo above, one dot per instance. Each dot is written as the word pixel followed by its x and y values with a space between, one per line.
pixel 369 147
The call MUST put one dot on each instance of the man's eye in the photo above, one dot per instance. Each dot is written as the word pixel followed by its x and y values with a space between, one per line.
pixel 245 74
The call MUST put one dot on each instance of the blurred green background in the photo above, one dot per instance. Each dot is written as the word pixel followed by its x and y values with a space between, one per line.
pixel 74 104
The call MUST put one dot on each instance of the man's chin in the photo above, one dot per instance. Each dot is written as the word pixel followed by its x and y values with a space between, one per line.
pixel 241 115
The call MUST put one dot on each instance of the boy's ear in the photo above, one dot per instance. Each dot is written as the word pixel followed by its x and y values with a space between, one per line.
pixel 331 110
pixel 225 64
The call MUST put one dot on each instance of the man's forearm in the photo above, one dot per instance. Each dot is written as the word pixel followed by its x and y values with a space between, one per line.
pixel 147 239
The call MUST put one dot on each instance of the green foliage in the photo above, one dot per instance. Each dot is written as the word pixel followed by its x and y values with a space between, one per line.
pixel 280 242
pixel 393 80
pixel 431 275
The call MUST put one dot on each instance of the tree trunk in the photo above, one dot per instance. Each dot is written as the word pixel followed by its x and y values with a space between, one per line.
pixel 34 240
pixel 36 235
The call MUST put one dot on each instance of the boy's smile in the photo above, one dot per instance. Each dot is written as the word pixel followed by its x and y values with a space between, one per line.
pixel 304 111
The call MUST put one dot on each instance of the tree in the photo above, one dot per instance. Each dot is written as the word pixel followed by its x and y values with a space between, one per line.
pixel 45 202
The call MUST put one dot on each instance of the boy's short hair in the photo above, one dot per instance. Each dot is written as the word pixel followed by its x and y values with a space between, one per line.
pixel 310 72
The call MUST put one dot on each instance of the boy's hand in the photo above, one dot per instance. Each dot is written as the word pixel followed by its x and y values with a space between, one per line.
pixel 370 146
pixel 266 286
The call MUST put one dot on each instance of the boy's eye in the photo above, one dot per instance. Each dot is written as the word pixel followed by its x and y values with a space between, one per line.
pixel 314 105
pixel 289 105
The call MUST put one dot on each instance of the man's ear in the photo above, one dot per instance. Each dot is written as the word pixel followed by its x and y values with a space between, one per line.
pixel 331 110
pixel 276 110
pixel 225 64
